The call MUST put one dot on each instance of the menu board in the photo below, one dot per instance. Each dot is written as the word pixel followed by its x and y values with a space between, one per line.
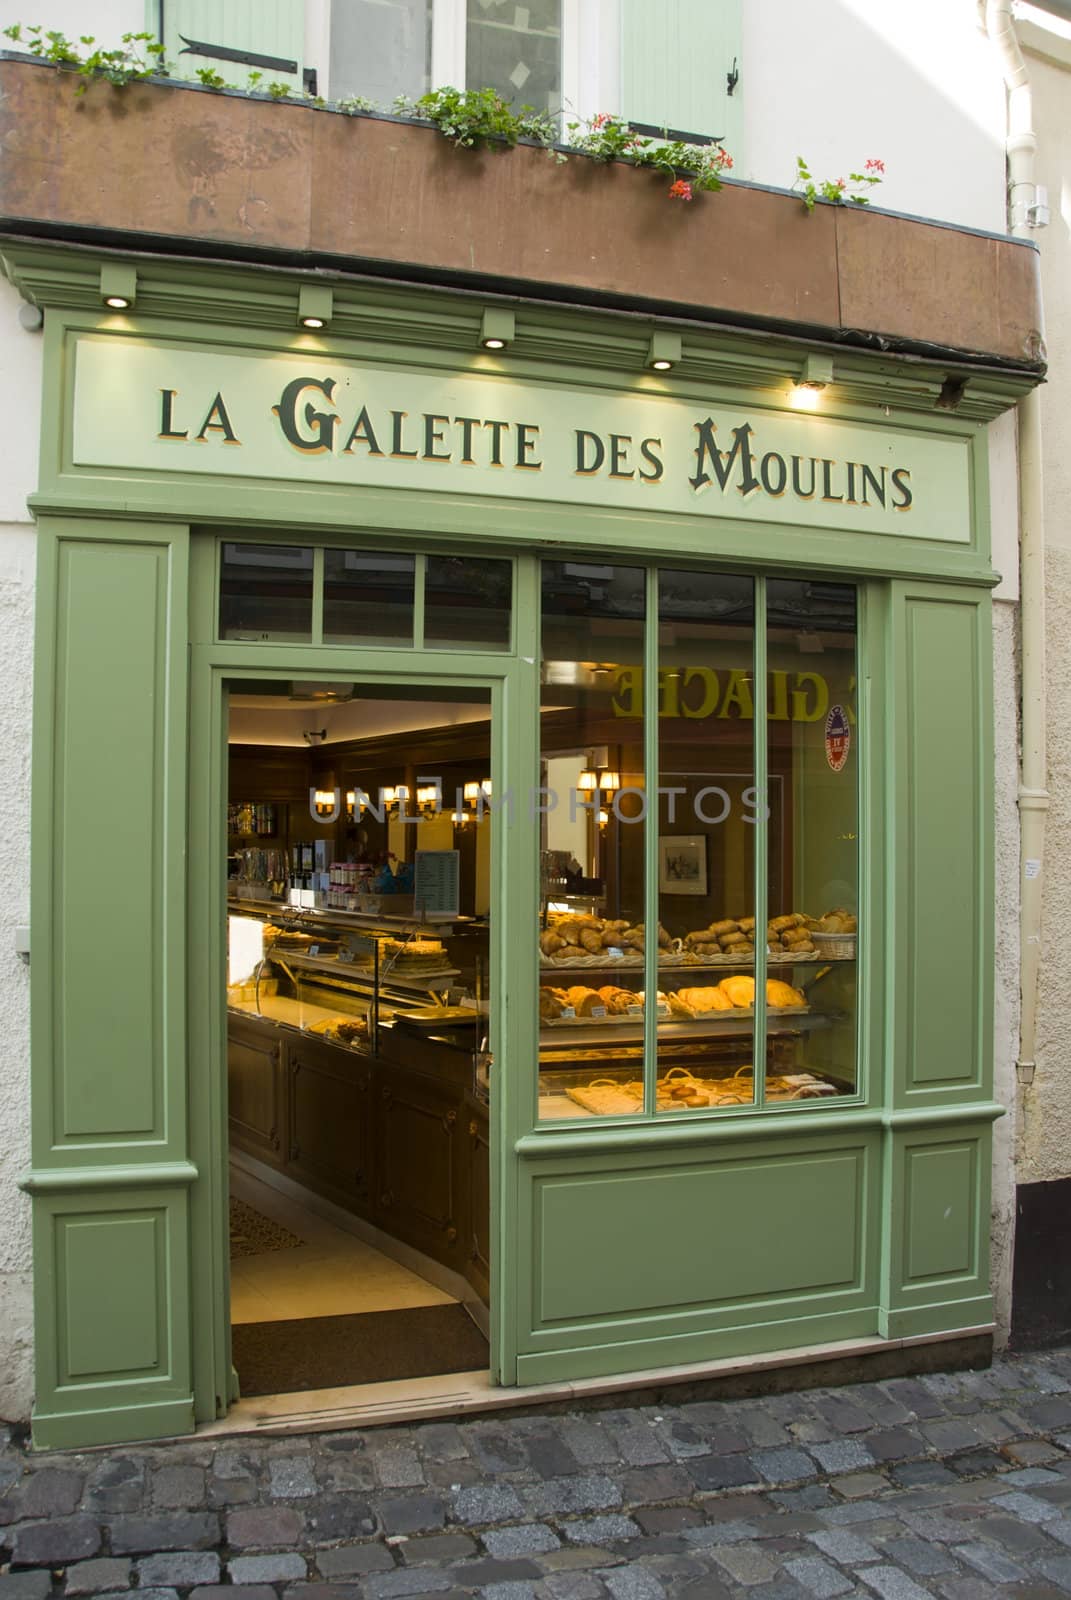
pixel 437 883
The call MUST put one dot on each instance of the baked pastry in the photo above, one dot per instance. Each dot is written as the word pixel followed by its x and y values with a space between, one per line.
pixel 550 1006
pixel 616 1001
pixel 583 1001
pixel 783 994
pixel 551 941
pixel 591 939
pixel 708 998
pixel 740 989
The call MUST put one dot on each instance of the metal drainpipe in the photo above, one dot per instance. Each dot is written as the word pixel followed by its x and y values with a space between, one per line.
pixel 1033 775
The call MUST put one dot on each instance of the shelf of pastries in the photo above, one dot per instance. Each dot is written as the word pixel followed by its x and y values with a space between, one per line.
pixel 607 944
pixel 684 1008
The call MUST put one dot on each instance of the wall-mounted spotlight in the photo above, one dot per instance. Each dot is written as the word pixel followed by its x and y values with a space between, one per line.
pixel 316 305
pixel 664 351
pixel 118 286
pixel 497 328
pixel 815 374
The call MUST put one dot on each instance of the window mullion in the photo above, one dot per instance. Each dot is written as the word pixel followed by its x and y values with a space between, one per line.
pixel 762 810
pixel 420 578
pixel 650 844
pixel 448 43
pixel 317 594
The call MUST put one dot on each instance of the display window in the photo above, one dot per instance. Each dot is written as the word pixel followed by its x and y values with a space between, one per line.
pixel 698 935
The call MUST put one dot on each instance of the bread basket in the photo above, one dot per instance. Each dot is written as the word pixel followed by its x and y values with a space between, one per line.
pixel 834 945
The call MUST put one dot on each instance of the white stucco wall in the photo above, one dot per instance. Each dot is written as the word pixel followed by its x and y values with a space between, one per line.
pixel 914 84
pixel 1045 1130
pixel 20 403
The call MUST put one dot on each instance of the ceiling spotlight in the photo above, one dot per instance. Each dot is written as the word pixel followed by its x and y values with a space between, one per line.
pixel 118 286
pixel 497 328
pixel 316 305
pixel 664 351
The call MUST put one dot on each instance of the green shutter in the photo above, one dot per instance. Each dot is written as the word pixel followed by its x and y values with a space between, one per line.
pixel 263 27
pixel 675 61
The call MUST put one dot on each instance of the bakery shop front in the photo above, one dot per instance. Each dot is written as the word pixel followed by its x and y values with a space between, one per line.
pixel 543 811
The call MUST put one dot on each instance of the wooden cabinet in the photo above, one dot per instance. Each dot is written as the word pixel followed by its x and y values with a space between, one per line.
pixel 330 1121
pixel 419 1162
pixel 256 1066
pixel 403 1146
pixel 477 1233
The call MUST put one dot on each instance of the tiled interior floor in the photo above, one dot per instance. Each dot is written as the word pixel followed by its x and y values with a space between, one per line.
pixel 333 1273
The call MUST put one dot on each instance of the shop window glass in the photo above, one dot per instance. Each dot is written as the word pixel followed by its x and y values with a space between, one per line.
pixel 813 742
pixel 516 50
pixel 266 592
pixel 747 927
pixel 380 49
pixel 467 603
pixel 592 837
pixel 368 599
pixel 706 847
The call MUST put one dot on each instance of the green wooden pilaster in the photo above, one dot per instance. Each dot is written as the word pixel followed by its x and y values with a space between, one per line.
pixel 111 1173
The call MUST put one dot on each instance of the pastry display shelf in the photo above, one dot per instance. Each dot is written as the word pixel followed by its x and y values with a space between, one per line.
pixel 718 1025
pixel 285 1012
pixel 352 975
pixel 674 964
pixel 297 918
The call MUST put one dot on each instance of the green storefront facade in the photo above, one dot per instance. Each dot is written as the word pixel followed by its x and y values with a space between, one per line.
pixel 204 413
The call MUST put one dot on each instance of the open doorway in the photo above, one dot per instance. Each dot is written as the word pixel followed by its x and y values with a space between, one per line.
pixel 359 836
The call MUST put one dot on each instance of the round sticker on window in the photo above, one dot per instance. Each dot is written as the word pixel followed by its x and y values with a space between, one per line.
pixel 838 737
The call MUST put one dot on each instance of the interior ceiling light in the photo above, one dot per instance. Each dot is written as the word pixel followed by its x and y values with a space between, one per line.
pixel 663 351
pixel 497 328
pixel 118 286
pixel 316 305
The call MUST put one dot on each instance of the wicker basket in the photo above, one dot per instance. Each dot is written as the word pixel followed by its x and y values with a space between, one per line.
pixel 835 945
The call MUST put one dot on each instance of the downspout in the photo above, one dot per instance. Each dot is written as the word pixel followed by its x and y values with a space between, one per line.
pixel 1033 774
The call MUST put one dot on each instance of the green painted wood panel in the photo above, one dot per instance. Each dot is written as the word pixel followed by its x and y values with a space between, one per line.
pixel 942 862
pixel 675 61
pixel 814 1243
pixel 265 27
pixel 98 1258
pixel 940 1239
pixel 108 996
pixel 937 1187
pixel 112 1315
pixel 108 841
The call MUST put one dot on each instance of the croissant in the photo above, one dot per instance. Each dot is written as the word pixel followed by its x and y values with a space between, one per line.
pixel 550 942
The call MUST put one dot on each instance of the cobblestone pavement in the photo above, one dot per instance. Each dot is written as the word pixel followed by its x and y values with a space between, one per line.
pixel 957 1486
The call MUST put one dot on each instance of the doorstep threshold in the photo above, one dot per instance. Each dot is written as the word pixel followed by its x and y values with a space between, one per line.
pixel 455 1394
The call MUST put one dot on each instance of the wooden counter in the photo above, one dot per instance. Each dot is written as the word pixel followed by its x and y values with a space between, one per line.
pixel 398 1138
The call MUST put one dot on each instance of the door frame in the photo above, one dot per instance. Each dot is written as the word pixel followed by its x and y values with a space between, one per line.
pixel 511 685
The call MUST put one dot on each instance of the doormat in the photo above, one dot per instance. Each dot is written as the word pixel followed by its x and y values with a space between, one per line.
pixel 371 1347
pixel 253 1234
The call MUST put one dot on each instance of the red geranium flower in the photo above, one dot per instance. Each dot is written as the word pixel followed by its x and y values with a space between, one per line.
pixel 874 165
pixel 680 190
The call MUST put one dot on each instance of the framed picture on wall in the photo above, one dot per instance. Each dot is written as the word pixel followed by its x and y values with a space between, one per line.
pixel 682 864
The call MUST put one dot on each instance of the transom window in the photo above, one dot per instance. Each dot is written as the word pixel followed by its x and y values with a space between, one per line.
pixel 301 594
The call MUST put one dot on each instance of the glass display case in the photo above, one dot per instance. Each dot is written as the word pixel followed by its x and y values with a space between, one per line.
pixel 344 977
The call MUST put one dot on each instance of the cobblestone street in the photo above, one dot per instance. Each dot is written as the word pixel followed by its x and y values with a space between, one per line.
pixel 956 1486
